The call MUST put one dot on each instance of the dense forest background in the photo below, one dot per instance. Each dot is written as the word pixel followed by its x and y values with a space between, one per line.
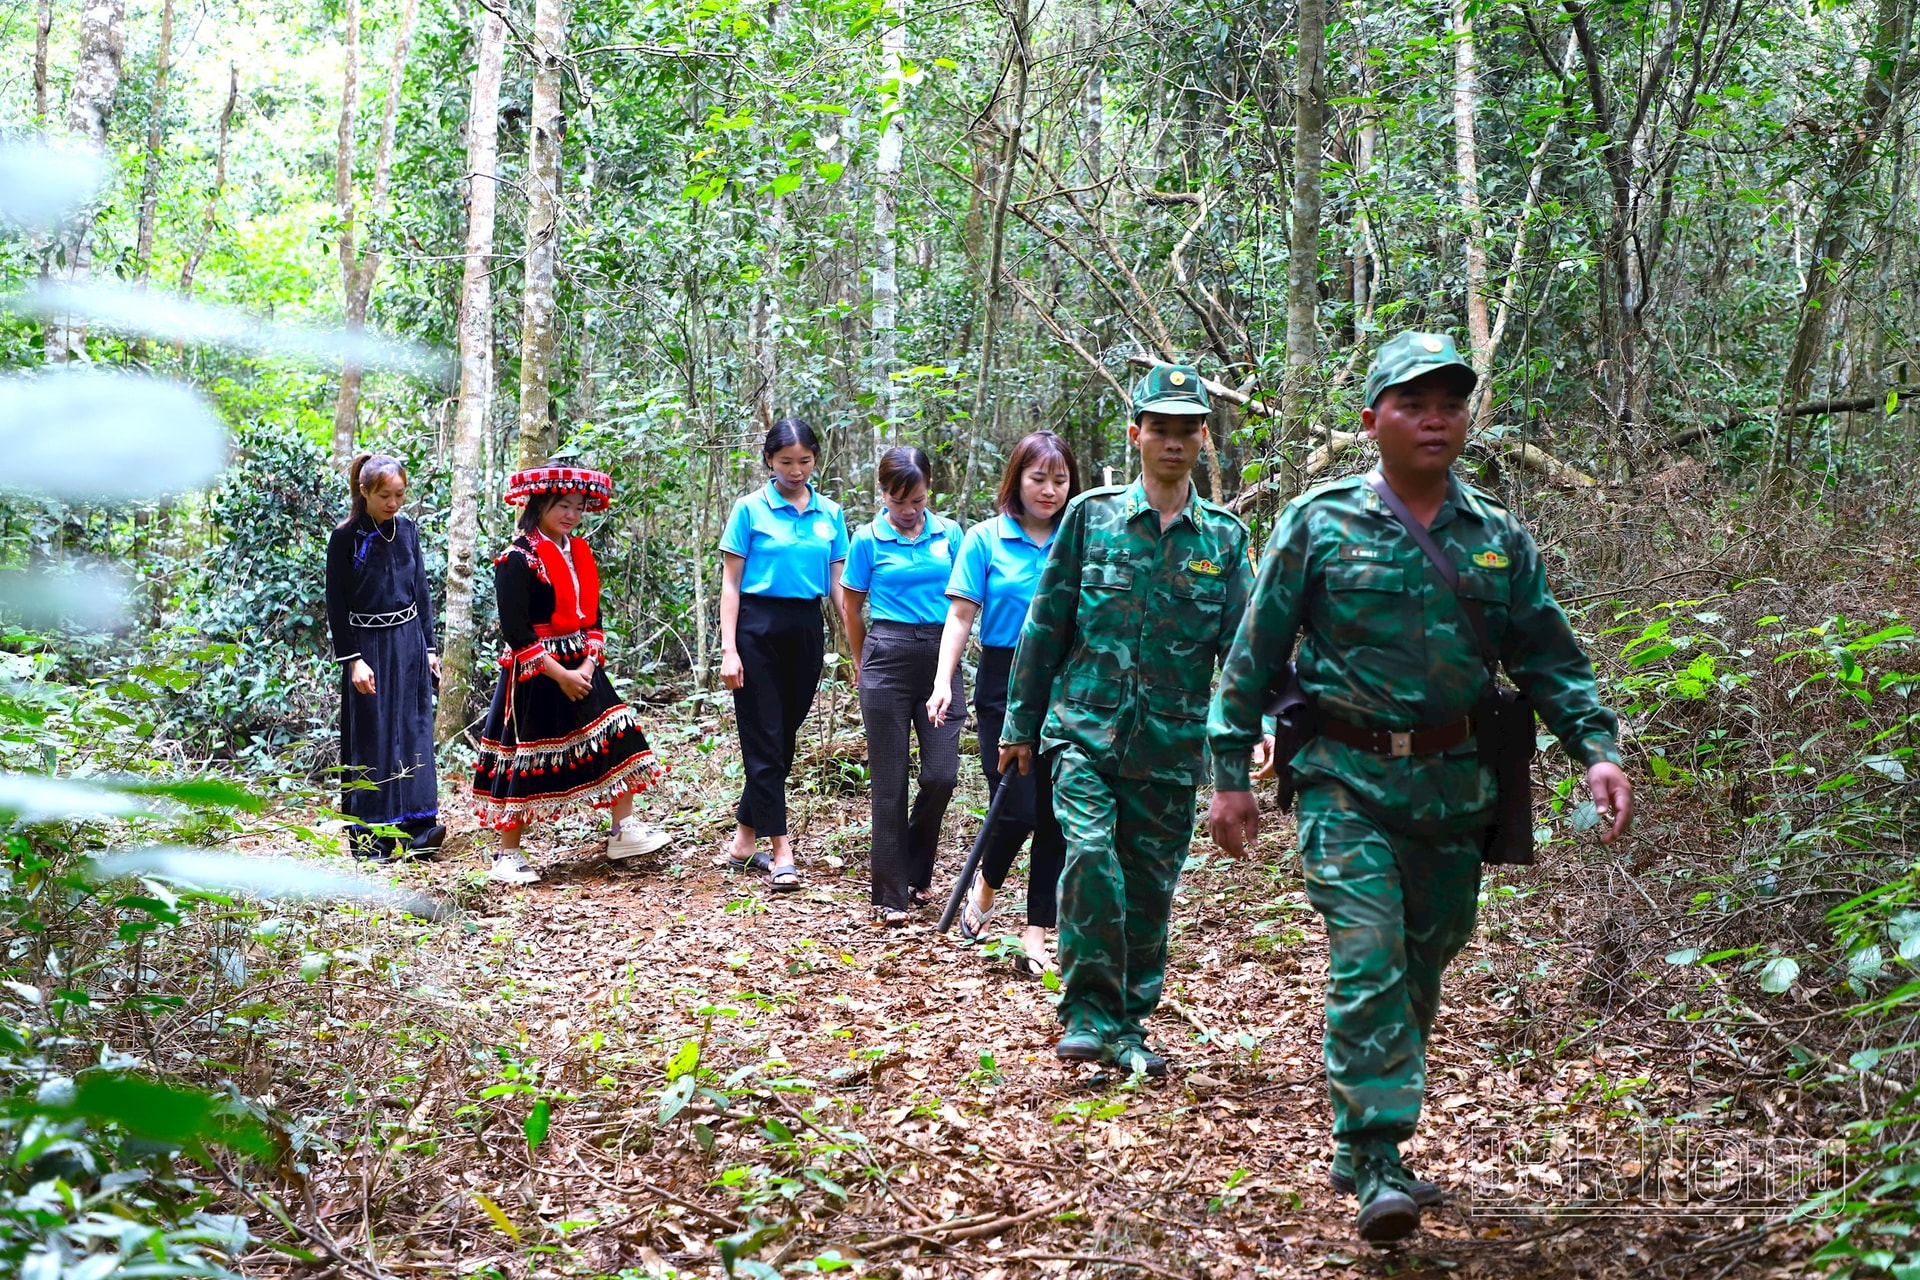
pixel 1678 237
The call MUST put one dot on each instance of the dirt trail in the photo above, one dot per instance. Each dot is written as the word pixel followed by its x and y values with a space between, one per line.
pixel 890 1095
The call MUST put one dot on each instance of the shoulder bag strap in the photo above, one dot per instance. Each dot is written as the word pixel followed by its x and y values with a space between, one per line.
pixel 1476 616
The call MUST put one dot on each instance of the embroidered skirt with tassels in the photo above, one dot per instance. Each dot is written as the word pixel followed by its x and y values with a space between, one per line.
pixel 541 751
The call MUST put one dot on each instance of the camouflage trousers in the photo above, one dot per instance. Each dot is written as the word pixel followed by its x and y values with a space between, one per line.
pixel 1397 907
pixel 1126 843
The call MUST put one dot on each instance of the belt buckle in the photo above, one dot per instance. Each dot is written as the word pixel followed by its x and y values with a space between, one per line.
pixel 1401 743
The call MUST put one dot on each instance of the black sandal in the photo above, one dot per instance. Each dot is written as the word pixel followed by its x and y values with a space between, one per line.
pixel 784 879
pixel 890 918
pixel 919 898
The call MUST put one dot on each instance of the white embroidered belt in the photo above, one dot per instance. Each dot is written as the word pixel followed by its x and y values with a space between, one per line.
pixel 397 618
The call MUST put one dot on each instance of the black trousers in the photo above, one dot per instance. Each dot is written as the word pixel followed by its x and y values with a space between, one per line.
pixel 781 643
pixel 897 666
pixel 1029 806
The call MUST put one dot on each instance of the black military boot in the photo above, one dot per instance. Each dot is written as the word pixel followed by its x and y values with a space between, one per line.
pixel 1425 1194
pixel 1387 1213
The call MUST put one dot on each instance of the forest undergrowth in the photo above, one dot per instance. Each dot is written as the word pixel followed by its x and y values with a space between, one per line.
pixel 667 1070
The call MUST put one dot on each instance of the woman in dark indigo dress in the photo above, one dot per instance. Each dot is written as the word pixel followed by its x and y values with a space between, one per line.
pixel 381 616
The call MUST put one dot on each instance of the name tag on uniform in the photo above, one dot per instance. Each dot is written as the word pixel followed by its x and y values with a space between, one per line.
pixel 1353 551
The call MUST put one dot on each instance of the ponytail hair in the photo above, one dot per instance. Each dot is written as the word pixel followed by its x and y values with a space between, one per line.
pixel 902 468
pixel 370 471
pixel 786 433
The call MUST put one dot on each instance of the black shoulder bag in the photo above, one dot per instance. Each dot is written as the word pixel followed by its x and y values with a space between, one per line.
pixel 1502 717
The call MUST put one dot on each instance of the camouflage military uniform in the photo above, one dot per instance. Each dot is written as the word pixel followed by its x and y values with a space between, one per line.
pixel 1391 845
pixel 1117 656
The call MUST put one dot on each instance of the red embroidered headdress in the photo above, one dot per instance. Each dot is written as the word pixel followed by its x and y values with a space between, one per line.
pixel 595 486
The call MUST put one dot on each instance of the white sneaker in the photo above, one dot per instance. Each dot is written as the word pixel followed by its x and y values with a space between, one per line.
pixel 634 838
pixel 512 868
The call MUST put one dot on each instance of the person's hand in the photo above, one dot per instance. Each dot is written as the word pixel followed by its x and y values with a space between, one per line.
pixel 1612 793
pixel 575 684
pixel 1263 761
pixel 1233 819
pixel 937 705
pixel 362 676
pixel 433 664
pixel 1014 754
pixel 731 673
pixel 853 669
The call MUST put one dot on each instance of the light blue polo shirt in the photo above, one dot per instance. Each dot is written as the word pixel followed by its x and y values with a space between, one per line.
pixel 789 552
pixel 905 580
pixel 998 569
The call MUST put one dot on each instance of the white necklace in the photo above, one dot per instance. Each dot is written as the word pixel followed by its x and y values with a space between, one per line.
pixel 387 537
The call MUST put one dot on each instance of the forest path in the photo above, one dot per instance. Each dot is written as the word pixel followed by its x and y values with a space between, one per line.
pixel 890 1095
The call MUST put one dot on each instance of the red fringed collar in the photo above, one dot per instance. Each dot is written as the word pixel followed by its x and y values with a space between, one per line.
pixel 576 592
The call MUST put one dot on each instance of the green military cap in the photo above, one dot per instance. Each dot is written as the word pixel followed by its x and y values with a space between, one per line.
pixel 1411 355
pixel 1171 388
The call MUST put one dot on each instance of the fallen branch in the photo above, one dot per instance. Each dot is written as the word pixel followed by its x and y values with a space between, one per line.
pixel 953 1231
pixel 1735 418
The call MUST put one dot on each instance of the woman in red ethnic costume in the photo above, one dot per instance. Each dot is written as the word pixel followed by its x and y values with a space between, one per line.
pixel 557 734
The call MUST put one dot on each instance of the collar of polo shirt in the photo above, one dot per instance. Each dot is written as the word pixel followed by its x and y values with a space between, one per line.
pixel 777 499
pixel 885 530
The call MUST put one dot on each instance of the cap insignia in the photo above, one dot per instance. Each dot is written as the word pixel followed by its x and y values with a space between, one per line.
pixel 1177 378
pixel 1433 344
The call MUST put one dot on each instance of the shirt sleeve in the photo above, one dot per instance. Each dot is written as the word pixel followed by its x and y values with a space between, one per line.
pixel 737 536
pixel 859 571
pixel 422 589
pixel 1545 659
pixel 340 593
pixel 968 581
pixel 1261 649
pixel 838 551
pixel 511 587
pixel 1048 633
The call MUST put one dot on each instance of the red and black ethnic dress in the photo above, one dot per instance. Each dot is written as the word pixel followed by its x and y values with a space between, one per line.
pixel 541 751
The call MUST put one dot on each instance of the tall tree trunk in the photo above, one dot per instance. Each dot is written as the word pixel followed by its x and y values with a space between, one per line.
pixel 346 410
pixel 1018 56
pixel 210 214
pixel 359 270
pixel 42 36
pixel 156 135
pixel 1467 168
pixel 89 106
pixel 587 397
pixel 1887 65
pixel 476 376
pixel 537 433
pixel 1303 264
pixel 886 190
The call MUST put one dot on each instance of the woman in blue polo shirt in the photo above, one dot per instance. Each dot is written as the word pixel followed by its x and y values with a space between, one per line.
pixel 994 580
pixel 783 547
pixel 898 568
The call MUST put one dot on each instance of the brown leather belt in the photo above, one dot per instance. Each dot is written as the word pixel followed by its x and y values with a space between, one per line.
pixel 1384 742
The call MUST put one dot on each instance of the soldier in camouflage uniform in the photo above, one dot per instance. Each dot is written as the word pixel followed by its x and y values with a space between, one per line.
pixel 1140 596
pixel 1394 802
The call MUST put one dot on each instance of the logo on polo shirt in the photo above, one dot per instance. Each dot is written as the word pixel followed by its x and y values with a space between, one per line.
pixel 823 528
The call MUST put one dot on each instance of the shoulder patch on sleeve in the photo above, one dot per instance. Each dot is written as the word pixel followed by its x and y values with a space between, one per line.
pixel 1219 510
pixel 1331 487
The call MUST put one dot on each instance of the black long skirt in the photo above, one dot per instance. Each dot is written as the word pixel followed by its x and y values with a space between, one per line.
pixel 541 751
pixel 386 737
